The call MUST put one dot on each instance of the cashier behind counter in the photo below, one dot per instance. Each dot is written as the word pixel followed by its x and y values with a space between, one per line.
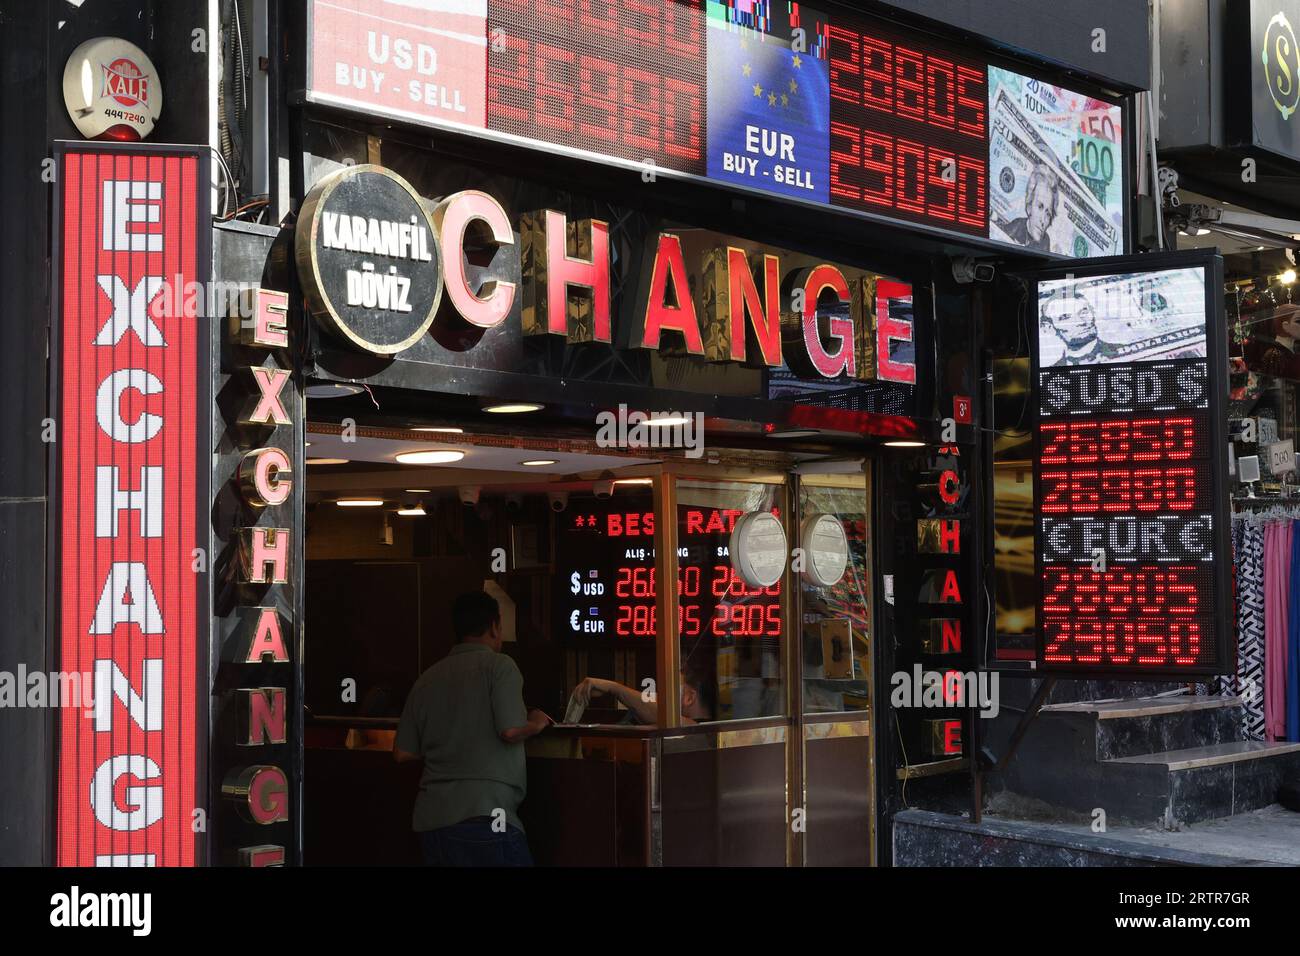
pixel 697 697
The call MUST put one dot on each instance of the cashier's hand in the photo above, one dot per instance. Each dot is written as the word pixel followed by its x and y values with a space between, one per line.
pixel 590 687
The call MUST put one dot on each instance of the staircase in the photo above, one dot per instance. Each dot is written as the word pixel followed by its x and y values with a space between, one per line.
pixel 1086 755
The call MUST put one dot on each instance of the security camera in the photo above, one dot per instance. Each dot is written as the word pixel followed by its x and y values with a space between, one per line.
pixel 469 494
pixel 603 489
pixel 559 500
pixel 966 270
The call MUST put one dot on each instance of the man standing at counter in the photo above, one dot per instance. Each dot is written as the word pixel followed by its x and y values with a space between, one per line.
pixel 465 718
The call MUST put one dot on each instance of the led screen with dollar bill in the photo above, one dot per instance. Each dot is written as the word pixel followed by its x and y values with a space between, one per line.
pixel 1131 317
pixel 1056 168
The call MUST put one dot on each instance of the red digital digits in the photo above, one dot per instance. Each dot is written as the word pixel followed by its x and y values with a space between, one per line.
pixel 1120 490
pixel 1122 440
pixel 556 80
pixel 909 129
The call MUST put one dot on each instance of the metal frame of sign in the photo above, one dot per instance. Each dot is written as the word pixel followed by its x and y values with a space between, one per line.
pixel 1217 366
pixel 982 243
pixel 197 626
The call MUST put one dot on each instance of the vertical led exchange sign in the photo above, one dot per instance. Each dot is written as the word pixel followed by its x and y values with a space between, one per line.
pixel 1130 494
pixel 131 354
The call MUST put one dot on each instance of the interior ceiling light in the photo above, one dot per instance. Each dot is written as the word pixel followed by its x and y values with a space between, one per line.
pixel 418 491
pixel 666 421
pixel 1287 277
pixel 794 433
pixel 513 408
pixel 634 481
pixel 904 444
pixel 360 502
pixel 327 461
pixel 331 390
pixel 441 429
pixel 436 456
pixel 537 462
pixel 416 512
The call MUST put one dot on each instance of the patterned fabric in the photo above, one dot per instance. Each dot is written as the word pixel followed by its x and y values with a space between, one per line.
pixel 1248 683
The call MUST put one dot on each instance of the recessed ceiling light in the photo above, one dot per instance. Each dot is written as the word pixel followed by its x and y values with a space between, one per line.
pixel 360 502
pixel 634 481
pixel 513 408
pixel 447 430
pixel 416 512
pixel 437 456
pixel 904 444
pixel 418 491
pixel 331 390
pixel 1288 277
pixel 327 461
pixel 666 421
pixel 537 462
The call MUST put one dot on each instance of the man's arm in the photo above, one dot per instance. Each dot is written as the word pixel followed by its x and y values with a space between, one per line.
pixel 647 712
pixel 536 723
pixel 406 746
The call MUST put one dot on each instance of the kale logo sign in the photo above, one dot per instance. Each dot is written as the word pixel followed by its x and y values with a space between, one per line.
pixel 368 258
pixel 1282 65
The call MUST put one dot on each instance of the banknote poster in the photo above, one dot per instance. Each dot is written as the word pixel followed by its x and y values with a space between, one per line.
pixel 1133 317
pixel 769 97
pixel 422 60
pixel 1056 168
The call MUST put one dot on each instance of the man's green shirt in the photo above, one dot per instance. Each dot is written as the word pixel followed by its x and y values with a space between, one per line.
pixel 453 719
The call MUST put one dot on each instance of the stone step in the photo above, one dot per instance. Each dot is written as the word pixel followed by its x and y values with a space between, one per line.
pixel 1194 784
pixel 1125 728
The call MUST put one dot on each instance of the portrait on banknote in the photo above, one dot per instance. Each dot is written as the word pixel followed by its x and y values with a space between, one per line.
pixel 1056 168
pixel 1134 317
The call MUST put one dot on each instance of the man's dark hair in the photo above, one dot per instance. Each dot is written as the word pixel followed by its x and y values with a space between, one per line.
pixel 473 613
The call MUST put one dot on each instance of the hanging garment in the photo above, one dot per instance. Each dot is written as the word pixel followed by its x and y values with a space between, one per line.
pixel 1277 594
pixel 1293 642
pixel 1248 683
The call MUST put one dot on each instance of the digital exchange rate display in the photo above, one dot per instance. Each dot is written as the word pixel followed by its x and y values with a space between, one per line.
pixel 822 104
pixel 605 580
pixel 1129 510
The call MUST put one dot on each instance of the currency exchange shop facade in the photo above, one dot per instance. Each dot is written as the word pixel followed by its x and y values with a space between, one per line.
pixel 788 227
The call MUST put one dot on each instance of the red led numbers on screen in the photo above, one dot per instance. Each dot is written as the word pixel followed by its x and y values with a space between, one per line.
pixel 909 128
pixel 1123 440
pixel 1123 491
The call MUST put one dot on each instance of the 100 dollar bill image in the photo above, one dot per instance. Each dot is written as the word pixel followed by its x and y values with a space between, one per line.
pixel 1055 168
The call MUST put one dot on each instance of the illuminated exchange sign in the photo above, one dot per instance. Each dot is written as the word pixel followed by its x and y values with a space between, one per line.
pixel 1129 492
pixel 131 506
pixel 374 269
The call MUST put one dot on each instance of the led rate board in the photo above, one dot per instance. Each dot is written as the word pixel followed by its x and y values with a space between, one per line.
pixel 605 586
pixel 1131 518
pixel 819 104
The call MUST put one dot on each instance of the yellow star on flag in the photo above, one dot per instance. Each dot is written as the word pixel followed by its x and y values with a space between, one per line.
pixel 771 99
pixel 785 100
pixel 796 61
pixel 746 69
pixel 794 87
pixel 758 90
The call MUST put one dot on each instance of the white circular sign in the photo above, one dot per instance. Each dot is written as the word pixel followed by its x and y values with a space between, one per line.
pixel 758 549
pixel 825 549
pixel 111 90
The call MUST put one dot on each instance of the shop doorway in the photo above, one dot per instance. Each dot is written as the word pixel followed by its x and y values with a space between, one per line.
pixel 754 744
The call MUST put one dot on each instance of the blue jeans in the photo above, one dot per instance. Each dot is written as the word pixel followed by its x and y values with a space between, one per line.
pixel 474 843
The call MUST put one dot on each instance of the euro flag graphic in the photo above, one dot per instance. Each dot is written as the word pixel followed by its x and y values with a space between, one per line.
pixel 769 97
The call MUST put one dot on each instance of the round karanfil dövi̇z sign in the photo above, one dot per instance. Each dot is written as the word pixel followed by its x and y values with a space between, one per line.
pixel 368 259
